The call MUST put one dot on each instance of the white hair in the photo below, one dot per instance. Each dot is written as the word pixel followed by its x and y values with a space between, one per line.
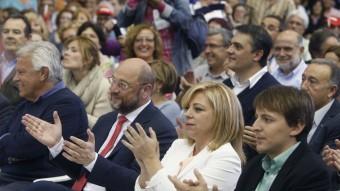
pixel 301 15
pixel 43 54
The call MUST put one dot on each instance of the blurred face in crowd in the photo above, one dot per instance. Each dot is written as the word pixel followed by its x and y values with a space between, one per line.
pixel 316 81
pixel 317 8
pixel 81 18
pixel 65 18
pixel 215 51
pixel 330 41
pixel 295 23
pixel 199 118
pixel 13 34
pixel 69 33
pixel 272 26
pixel 144 45
pixel 287 51
pixel 273 134
pixel 90 34
pixel 334 57
pixel 72 57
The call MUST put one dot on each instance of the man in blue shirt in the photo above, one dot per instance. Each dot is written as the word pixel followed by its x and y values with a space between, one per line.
pixel 39 80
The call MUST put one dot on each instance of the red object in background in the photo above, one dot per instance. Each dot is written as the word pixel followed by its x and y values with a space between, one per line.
pixel 333 22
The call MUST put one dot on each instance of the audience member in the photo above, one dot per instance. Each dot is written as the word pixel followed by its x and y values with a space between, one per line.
pixel 284 118
pixel 215 53
pixel 273 25
pixel 165 85
pixel 108 164
pixel 143 41
pixel 320 41
pixel 39 79
pixel 213 143
pixel 321 80
pixel 171 18
pixel 263 8
pixel 316 16
pixel 288 65
pixel 298 22
pixel 247 57
pixel 84 77
pixel 15 33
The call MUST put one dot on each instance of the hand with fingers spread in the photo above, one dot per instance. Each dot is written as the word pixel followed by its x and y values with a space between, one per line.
pixel 79 151
pixel 142 146
pixel 249 136
pixel 46 133
pixel 190 185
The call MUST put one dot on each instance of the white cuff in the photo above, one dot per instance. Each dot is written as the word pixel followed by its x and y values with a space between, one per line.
pixel 90 166
pixel 57 148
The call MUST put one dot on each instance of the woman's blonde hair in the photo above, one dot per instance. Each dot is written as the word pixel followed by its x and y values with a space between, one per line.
pixel 88 50
pixel 228 121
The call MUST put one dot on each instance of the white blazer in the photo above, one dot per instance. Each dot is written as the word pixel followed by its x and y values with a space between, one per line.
pixel 221 167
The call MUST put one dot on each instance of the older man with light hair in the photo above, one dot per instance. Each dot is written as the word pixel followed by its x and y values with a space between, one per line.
pixel 298 21
pixel 38 76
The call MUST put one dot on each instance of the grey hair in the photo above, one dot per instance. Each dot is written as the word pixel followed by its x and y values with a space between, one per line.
pixel 301 15
pixel 226 34
pixel 335 72
pixel 44 54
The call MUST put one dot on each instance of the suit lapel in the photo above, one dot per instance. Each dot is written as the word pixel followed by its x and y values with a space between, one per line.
pixel 143 118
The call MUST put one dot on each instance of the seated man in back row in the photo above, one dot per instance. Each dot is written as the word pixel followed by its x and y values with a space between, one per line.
pixel 38 77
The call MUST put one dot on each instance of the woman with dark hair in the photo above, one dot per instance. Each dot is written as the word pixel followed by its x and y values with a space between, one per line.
pixel 316 17
pixel 84 77
pixel 96 35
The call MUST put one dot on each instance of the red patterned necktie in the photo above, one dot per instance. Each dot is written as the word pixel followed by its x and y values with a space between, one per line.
pixel 80 183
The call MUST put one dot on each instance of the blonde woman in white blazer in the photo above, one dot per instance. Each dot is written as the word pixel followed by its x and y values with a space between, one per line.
pixel 213 143
pixel 84 77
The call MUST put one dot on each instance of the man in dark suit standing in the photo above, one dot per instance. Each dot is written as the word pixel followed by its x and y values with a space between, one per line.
pixel 284 118
pixel 108 164
pixel 321 80
pixel 15 33
pixel 247 57
pixel 39 79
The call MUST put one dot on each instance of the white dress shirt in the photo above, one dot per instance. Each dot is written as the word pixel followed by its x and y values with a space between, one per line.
pixel 57 149
pixel 239 87
pixel 318 116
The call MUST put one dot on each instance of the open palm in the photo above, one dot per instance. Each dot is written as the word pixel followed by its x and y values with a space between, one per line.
pixel 46 133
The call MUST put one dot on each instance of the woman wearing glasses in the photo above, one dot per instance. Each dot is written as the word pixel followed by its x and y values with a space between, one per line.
pixel 84 77
pixel 213 143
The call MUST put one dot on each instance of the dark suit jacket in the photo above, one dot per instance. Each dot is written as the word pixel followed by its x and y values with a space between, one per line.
pixel 10 90
pixel 247 96
pixel 303 171
pixel 24 158
pixel 6 111
pixel 328 129
pixel 120 170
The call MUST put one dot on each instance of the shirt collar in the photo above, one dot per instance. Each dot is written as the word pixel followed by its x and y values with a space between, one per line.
pixel 297 70
pixel 251 81
pixel 133 115
pixel 274 165
pixel 220 76
pixel 60 85
pixel 320 113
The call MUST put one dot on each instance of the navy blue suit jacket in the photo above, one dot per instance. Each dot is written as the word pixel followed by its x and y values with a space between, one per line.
pixel 247 96
pixel 303 171
pixel 24 158
pixel 6 111
pixel 328 129
pixel 120 170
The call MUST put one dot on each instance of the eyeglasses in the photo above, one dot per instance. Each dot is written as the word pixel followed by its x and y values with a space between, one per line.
pixel 121 84
pixel 147 40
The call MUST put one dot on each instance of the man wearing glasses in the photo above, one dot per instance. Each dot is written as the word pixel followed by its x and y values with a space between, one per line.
pixel 103 162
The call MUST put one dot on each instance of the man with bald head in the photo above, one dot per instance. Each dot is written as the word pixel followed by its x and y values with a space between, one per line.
pixel 288 64
pixel 103 162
